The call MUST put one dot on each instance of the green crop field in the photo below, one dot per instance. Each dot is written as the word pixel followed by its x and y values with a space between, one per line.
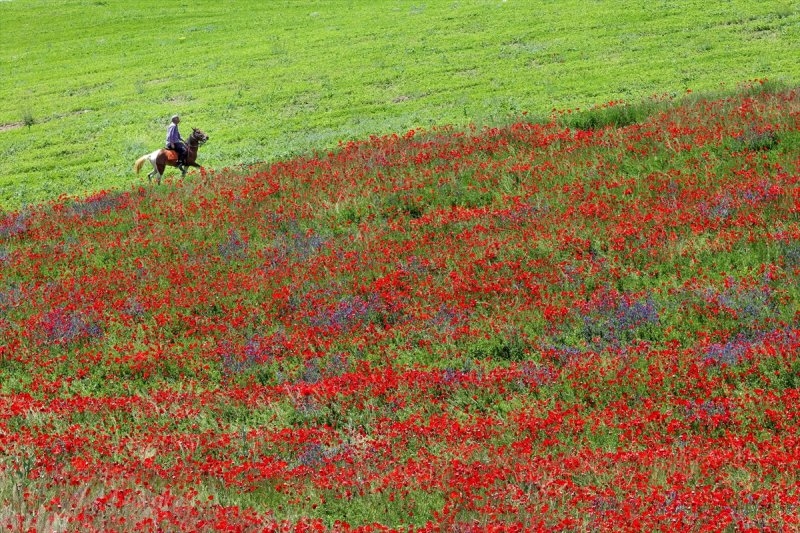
pixel 88 86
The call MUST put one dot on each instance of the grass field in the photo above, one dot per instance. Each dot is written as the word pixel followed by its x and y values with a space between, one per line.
pixel 88 86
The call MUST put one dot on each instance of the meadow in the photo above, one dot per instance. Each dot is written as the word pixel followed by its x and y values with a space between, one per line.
pixel 463 266
pixel 88 86
pixel 532 327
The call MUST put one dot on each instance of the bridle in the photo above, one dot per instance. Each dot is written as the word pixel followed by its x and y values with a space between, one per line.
pixel 198 138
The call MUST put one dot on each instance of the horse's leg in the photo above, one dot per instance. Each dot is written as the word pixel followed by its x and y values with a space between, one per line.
pixel 160 172
pixel 155 168
pixel 159 163
pixel 185 167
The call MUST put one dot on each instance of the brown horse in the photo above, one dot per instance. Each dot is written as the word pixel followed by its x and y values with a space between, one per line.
pixel 162 158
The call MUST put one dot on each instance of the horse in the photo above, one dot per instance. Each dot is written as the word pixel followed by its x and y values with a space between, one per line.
pixel 162 158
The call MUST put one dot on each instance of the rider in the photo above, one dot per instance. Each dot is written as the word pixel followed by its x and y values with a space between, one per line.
pixel 175 141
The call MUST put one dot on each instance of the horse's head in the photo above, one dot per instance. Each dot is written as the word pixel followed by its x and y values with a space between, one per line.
pixel 198 136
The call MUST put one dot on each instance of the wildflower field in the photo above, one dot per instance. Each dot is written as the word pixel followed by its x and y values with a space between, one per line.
pixel 583 324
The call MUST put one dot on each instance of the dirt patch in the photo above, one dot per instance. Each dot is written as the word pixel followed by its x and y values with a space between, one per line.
pixel 16 125
pixel 11 125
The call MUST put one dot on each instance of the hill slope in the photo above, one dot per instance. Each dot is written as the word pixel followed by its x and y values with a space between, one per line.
pixel 88 86
pixel 530 326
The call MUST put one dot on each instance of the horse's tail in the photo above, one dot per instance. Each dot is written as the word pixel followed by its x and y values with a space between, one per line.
pixel 139 162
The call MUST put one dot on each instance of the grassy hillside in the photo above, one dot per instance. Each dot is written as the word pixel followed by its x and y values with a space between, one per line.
pixel 88 86
pixel 529 327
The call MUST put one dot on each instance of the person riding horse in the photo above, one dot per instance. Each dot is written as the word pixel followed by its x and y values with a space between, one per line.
pixel 177 154
pixel 175 141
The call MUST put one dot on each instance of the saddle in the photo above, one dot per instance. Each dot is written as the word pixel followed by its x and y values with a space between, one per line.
pixel 172 155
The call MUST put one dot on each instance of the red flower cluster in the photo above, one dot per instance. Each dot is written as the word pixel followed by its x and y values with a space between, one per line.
pixel 526 328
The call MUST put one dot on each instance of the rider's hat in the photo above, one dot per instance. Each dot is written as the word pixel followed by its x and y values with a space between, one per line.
pixel 175 117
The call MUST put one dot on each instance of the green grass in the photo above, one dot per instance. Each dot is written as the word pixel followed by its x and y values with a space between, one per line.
pixel 88 86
